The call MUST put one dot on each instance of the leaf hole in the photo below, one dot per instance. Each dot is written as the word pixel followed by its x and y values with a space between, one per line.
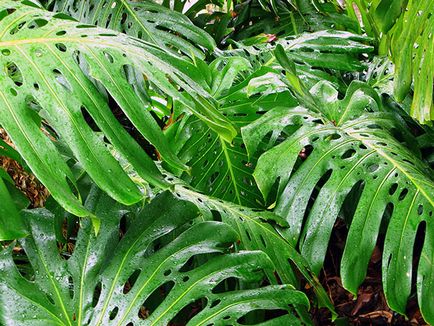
pixel 17 28
pixel 403 194
pixel 96 294
pixel 113 313
pixel 109 57
pixel 37 23
pixel 155 299
pixel 14 73
pixel 348 153
pixel 22 262
pixel 225 285
pixel 50 298
pixel 109 18
pixel 88 118
pixel 61 80
pixel 71 287
pixel 215 303
pixel 248 235
pixel 123 226
pixel 213 178
pixel 189 311
pixel 61 47
pixel 373 167
pixel 393 188
pixel 195 261
pixel 216 216
pixel 131 281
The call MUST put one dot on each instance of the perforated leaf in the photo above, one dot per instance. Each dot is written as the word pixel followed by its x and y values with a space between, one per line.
pixel 139 279
pixel 256 232
pixel 143 19
pixel 217 168
pixel 323 49
pixel 44 60
pixel 405 31
pixel 324 162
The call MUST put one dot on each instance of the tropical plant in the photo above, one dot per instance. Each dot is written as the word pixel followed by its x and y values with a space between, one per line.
pixel 66 48
pixel 12 225
pixel 352 154
pixel 142 274
pixel 404 29
pixel 199 154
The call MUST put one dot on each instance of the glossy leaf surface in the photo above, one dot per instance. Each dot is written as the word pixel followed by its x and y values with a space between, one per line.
pixel 256 232
pixel 328 158
pixel 218 168
pixel 11 224
pixel 44 59
pixel 94 286
pixel 146 20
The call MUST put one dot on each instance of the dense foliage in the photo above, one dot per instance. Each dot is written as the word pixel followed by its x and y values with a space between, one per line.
pixel 198 155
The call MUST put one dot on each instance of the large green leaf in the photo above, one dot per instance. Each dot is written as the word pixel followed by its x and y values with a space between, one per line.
pixel 108 280
pixel 217 168
pixel 145 19
pixel 386 12
pixel 44 60
pixel 12 200
pixel 349 148
pixel 323 49
pixel 404 29
pixel 412 52
pixel 11 224
pixel 256 232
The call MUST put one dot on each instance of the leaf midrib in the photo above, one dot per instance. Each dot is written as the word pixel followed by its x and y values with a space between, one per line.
pixel 418 185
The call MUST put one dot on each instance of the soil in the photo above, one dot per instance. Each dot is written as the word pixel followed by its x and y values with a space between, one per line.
pixel 370 306
pixel 24 180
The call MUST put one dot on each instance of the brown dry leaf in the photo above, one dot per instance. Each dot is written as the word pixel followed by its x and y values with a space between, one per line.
pixel 363 298
pixel 378 314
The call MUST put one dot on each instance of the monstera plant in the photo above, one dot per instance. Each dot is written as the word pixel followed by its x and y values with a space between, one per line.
pixel 198 155
pixel 144 274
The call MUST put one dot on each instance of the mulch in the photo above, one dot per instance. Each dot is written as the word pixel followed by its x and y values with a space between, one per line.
pixel 24 180
pixel 370 307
